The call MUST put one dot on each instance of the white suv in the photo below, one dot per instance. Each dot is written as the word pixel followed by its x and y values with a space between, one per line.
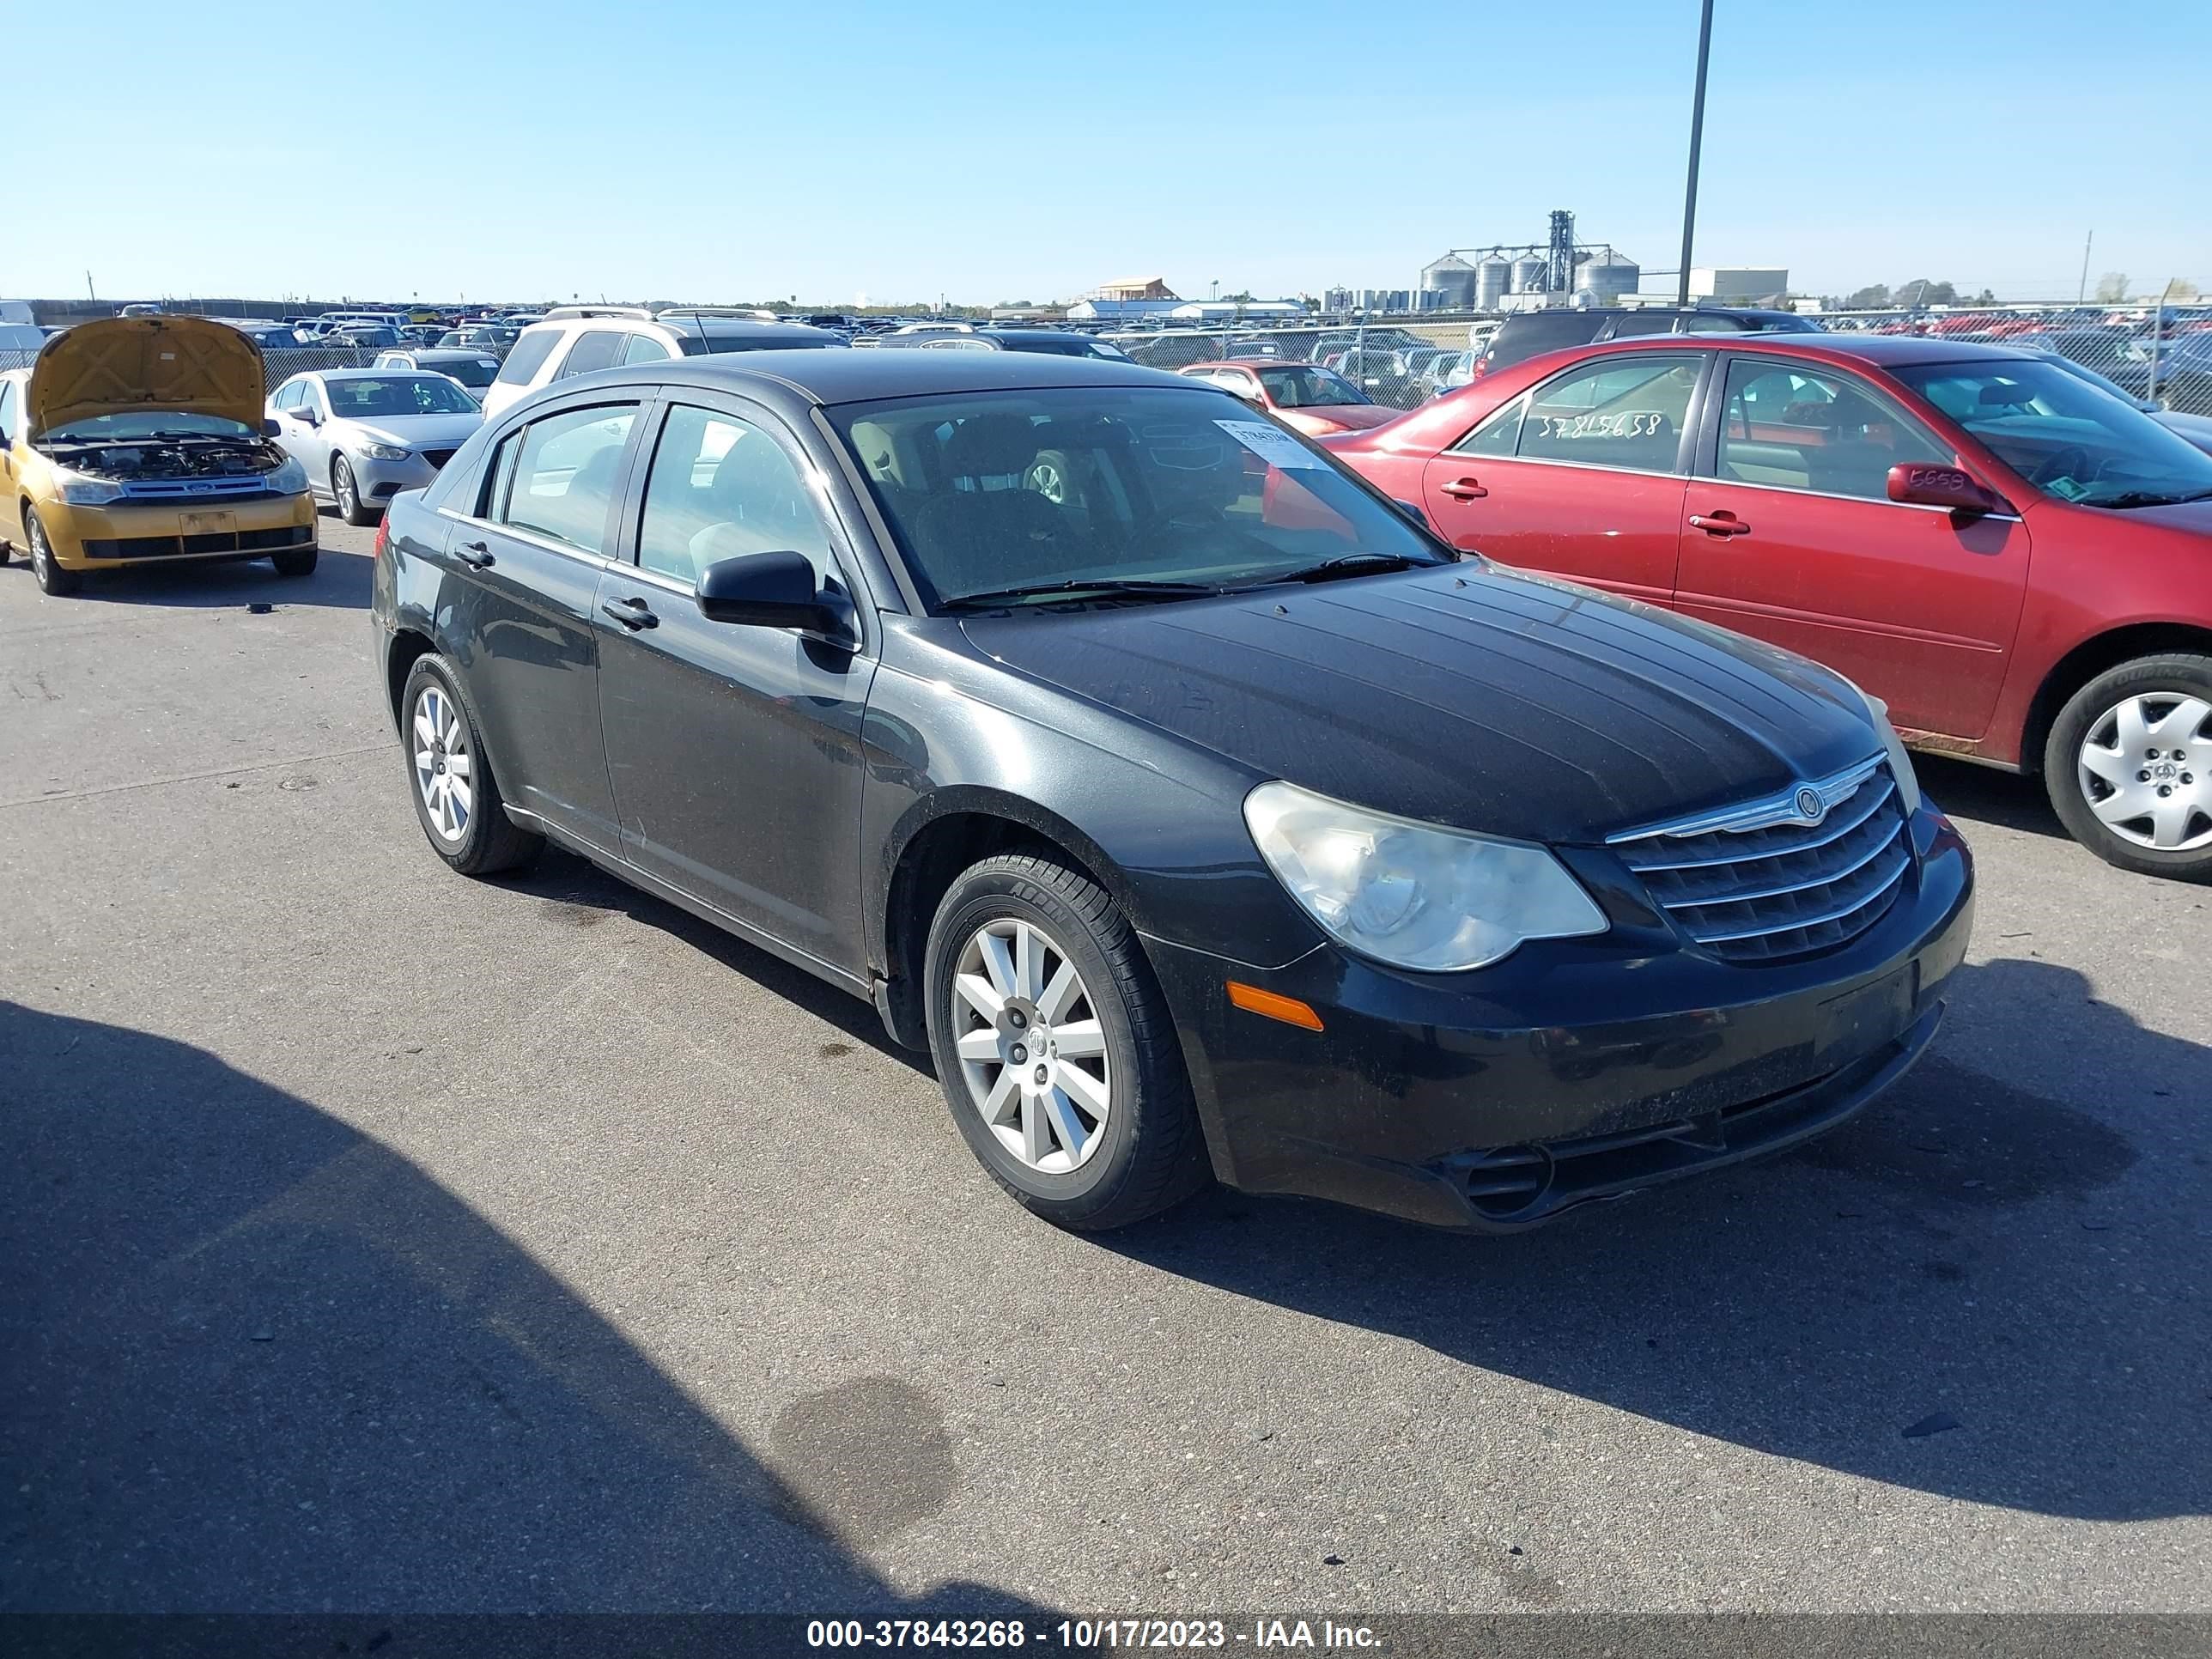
pixel 577 339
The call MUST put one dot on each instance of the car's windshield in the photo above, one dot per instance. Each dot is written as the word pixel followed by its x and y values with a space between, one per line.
pixel 2067 437
pixel 138 425
pixel 1001 491
pixel 1308 388
pixel 367 396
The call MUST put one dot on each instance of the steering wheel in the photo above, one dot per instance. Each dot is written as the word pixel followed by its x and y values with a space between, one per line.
pixel 2069 461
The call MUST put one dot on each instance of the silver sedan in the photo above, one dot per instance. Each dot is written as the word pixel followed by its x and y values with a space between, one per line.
pixel 364 435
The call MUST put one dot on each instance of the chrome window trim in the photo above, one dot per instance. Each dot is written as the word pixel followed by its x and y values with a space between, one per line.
pixel 1832 495
pixel 1766 813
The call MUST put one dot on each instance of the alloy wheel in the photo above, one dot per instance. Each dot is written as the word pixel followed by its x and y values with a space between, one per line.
pixel 1032 1051
pixel 1045 478
pixel 444 769
pixel 2145 769
pixel 342 488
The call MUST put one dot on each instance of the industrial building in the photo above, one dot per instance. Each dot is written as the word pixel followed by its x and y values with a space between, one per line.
pixel 1740 284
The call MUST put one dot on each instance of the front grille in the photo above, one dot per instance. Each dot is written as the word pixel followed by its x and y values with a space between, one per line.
pixel 200 489
pixel 1781 888
pixel 437 456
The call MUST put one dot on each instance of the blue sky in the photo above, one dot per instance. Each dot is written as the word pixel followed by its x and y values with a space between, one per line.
pixel 999 152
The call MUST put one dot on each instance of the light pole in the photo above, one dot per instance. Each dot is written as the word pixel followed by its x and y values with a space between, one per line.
pixel 1697 140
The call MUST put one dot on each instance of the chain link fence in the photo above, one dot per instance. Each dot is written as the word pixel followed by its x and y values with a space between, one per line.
pixel 2157 356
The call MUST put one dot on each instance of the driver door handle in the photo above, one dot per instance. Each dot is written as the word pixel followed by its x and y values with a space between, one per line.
pixel 475 555
pixel 630 613
pixel 1463 489
pixel 1722 523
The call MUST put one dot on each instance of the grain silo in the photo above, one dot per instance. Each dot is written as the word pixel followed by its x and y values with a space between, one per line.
pixel 1528 274
pixel 1451 279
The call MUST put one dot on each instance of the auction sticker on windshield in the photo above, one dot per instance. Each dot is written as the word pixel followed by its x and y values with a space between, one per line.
pixel 1275 447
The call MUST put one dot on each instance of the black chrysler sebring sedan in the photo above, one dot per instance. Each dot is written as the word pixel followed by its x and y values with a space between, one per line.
pixel 1199 811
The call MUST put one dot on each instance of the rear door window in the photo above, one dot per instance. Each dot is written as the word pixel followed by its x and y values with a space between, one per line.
pixel 1615 411
pixel 644 349
pixel 564 473
pixel 596 348
pixel 530 353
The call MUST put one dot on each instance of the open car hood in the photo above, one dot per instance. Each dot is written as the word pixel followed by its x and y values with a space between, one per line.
pixel 121 365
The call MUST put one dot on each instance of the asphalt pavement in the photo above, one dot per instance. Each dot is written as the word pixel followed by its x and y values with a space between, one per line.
pixel 375 1237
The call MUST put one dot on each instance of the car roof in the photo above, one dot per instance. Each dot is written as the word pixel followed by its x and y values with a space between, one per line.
pixel 839 374
pixel 1881 350
pixel 1254 362
pixel 360 374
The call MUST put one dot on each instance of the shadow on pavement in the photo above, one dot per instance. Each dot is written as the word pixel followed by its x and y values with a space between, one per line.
pixel 1983 795
pixel 340 583
pixel 255 1361
pixel 584 892
pixel 1966 1252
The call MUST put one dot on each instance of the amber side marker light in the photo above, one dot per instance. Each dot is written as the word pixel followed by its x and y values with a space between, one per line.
pixel 1253 1000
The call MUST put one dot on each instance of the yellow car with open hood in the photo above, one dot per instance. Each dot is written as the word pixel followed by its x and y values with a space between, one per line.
pixel 137 439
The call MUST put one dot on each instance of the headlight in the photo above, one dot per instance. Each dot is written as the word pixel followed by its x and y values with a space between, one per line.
pixel 1410 894
pixel 289 479
pixel 79 490
pixel 387 452
pixel 1900 763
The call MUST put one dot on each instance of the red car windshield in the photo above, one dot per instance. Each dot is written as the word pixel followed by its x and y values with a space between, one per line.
pixel 2069 438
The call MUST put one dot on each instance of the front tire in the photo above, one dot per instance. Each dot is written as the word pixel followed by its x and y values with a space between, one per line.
pixel 457 798
pixel 2128 766
pixel 299 562
pixel 51 578
pixel 345 493
pixel 1055 1050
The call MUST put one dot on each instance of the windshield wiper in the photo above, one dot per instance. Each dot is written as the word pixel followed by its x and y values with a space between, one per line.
pixel 1354 564
pixel 2150 498
pixel 1118 587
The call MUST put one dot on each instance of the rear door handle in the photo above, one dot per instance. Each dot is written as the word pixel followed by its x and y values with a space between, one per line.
pixel 1463 489
pixel 1719 524
pixel 475 555
pixel 630 613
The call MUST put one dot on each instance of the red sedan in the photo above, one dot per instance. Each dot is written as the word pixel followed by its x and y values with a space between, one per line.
pixel 2018 562
pixel 1317 401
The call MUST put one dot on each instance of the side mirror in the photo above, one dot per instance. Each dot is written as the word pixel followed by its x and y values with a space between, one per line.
pixel 1918 484
pixel 770 590
pixel 272 429
pixel 1413 510
pixel 308 416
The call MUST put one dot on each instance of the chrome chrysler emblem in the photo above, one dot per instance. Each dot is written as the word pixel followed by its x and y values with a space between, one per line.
pixel 1810 806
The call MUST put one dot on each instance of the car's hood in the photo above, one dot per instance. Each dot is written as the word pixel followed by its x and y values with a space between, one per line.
pixel 2195 517
pixel 1499 702
pixel 411 429
pixel 124 365
pixel 2197 429
pixel 1354 417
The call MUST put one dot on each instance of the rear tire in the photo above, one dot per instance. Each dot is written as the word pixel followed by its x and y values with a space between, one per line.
pixel 52 579
pixel 2143 727
pixel 345 492
pixel 299 562
pixel 1063 965
pixel 449 778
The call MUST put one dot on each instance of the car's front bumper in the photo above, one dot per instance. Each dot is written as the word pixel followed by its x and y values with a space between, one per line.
pixel 1569 1073
pixel 379 481
pixel 126 533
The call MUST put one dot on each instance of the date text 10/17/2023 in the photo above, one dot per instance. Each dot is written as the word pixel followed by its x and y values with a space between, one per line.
pixel 1088 1635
